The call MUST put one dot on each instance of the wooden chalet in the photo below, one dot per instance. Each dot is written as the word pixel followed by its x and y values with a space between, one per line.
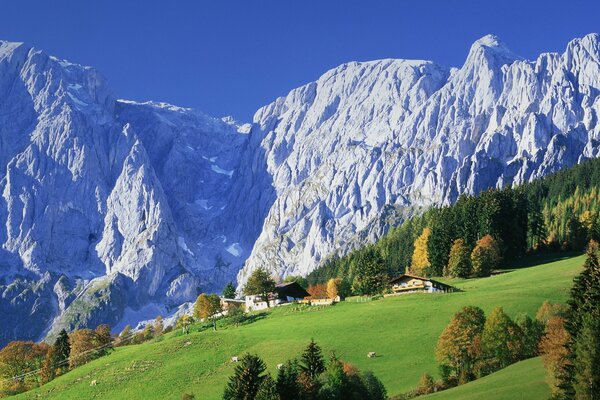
pixel 411 283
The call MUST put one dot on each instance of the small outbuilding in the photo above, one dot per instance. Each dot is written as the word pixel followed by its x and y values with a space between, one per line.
pixel 411 283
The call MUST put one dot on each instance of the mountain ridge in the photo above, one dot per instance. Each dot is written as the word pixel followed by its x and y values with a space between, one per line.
pixel 113 207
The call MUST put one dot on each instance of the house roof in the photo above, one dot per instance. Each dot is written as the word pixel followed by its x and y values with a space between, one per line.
pixel 403 276
pixel 291 289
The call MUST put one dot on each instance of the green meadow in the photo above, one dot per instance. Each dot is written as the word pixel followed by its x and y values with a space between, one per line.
pixel 402 330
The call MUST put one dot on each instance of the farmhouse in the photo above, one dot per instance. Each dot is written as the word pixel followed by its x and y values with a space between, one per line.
pixel 284 293
pixel 410 283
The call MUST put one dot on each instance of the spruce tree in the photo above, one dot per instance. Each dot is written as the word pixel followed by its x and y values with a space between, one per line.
pixel 312 362
pixel 63 349
pixel 229 291
pixel 246 379
pixel 287 382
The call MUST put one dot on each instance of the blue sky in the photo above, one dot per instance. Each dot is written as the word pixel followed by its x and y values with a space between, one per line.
pixel 231 57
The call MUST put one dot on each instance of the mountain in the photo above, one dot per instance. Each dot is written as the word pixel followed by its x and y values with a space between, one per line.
pixel 115 211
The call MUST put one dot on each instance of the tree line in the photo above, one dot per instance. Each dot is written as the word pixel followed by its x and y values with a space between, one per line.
pixel 308 377
pixel 479 233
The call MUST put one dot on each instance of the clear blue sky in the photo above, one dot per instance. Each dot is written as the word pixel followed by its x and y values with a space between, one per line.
pixel 231 57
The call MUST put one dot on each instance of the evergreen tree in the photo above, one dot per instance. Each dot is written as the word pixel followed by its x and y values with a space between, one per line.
pixel 583 305
pixel 246 379
pixel 440 241
pixel 459 260
pixel 229 291
pixel 586 380
pixel 532 331
pixel 267 390
pixel 287 382
pixel 63 349
pixel 370 277
pixel 312 362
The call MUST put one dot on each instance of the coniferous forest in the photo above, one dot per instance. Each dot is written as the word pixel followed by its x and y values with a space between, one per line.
pixel 559 212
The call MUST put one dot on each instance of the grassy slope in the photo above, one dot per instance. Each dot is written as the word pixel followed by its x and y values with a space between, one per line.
pixel 524 380
pixel 402 330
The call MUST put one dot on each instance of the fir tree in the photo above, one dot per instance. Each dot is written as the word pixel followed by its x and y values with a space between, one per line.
pixel 246 379
pixel 312 362
pixel 229 291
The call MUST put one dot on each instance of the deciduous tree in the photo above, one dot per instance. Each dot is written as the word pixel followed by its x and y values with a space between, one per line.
pixel 459 261
pixel 420 260
pixel 208 306
pixel 458 346
pixel 260 283
pixel 485 256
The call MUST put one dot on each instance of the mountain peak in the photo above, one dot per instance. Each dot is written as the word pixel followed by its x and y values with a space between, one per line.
pixel 491 47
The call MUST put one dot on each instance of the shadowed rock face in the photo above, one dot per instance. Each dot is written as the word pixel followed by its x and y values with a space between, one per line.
pixel 110 206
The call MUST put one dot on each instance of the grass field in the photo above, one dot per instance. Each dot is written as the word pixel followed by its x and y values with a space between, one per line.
pixel 403 331
pixel 521 381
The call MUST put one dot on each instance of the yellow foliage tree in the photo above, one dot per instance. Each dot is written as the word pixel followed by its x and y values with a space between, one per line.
pixel 332 287
pixel 420 260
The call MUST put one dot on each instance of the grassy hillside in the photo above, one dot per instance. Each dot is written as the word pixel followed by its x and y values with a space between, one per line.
pixel 402 330
pixel 523 380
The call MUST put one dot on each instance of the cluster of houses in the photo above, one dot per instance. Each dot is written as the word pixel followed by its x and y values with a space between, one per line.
pixel 286 293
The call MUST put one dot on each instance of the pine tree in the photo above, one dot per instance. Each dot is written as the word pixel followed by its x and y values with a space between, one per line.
pixel 370 277
pixel 287 382
pixel 312 362
pixel 63 349
pixel 440 241
pixel 267 390
pixel 586 380
pixel 246 379
pixel 229 290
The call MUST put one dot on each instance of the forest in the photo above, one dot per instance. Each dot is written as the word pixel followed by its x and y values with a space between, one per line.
pixel 477 234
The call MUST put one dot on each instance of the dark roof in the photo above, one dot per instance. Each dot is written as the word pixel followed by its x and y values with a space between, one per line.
pixel 395 280
pixel 291 289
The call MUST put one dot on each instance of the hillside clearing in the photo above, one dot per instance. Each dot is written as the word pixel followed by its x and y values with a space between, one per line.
pixel 402 330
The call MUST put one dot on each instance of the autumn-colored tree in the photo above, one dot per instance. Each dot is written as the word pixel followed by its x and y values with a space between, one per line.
pixel 208 306
pixel 420 261
pixel 103 340
pixel 83 347
pixel 458 345
pixel 50 365
pixel 126 336
pixel 486 256
pixel 19 358
pixel 332 287
pixel 158 326
pixel 501 343
pixel 317 291
pixel 459 260
pixel 260 283
pixel 426 384
pixel 184 322
pixel 554 351
pixel 548 310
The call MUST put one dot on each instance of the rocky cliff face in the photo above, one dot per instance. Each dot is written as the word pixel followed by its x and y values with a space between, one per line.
pixel 411 133
pixel 113 211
